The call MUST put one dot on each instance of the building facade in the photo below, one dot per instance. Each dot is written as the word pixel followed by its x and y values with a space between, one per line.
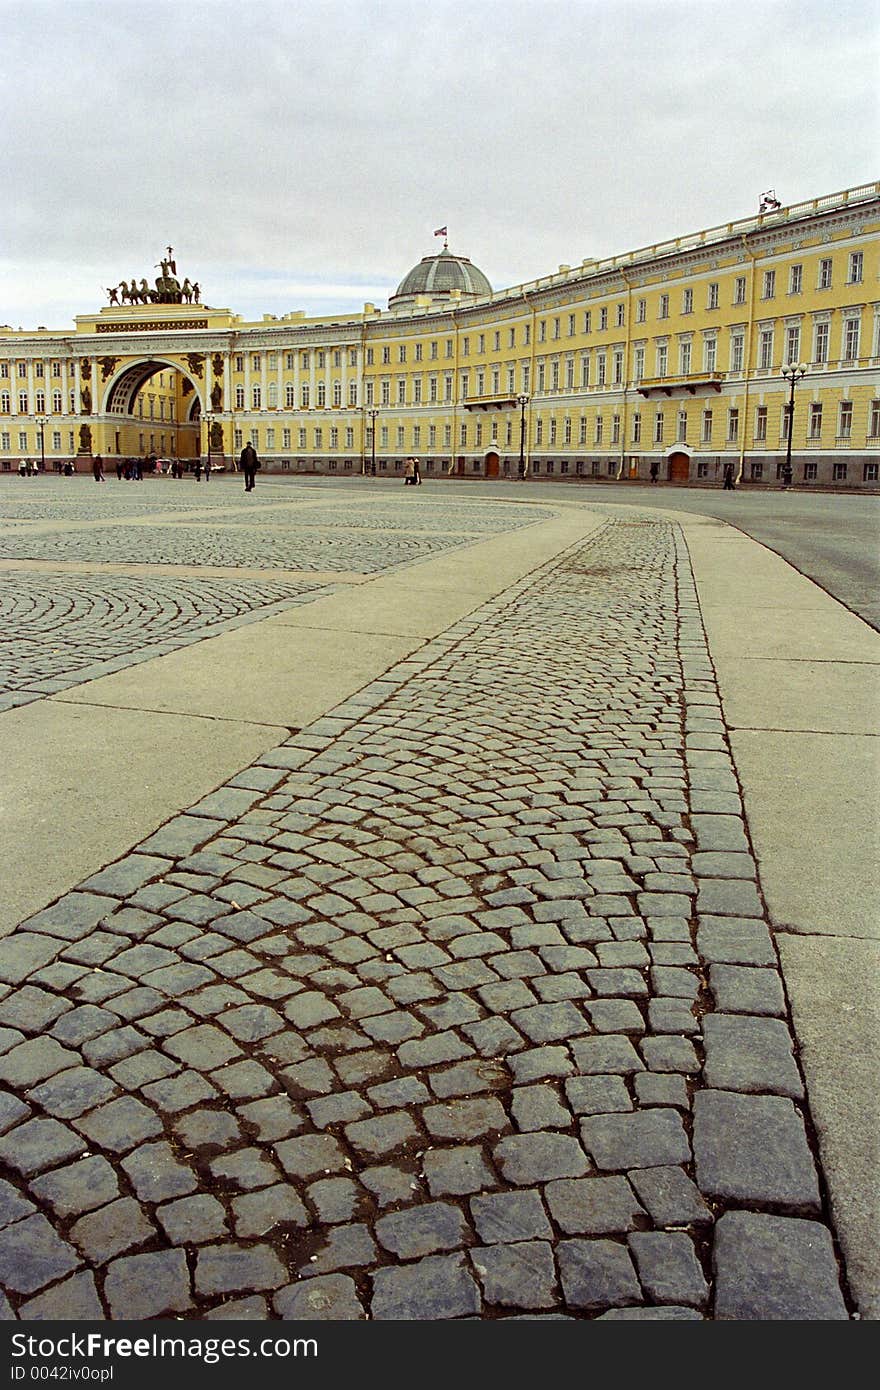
pixel 671 356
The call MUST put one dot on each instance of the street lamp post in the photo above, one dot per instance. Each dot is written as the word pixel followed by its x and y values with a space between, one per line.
pixel 42 422
pixel 792 374
pixel 523 402
pixel 373 414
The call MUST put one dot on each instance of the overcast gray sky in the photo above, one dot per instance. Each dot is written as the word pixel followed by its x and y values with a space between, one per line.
pixel 300 153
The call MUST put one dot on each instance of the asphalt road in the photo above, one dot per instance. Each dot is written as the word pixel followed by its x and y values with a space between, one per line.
pixel 832 538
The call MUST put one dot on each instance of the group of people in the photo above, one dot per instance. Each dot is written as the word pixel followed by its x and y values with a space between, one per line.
pixel 28 468
pixel 412 473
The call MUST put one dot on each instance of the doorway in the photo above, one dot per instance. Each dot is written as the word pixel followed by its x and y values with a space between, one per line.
pixel 492 464
pixel 679 468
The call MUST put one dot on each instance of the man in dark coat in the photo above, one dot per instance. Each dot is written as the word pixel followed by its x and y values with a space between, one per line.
pixel 249 463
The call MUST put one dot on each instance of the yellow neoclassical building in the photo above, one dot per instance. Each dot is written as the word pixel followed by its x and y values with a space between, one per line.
pixel 679 360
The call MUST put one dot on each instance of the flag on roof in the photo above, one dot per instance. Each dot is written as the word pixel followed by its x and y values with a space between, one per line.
pixel 441 231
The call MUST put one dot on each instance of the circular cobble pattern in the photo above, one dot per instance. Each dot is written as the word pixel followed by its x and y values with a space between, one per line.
pixel 294 548
pixel 461 1002
pixel 57 631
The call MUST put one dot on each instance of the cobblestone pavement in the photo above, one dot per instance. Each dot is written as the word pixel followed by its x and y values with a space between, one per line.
pixel 57 633
pixel 459 1003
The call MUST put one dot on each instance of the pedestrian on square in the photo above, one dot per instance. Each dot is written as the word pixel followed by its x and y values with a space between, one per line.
pixel 98 468
pixel 409 472
pixel 249 465
pixel 417 473
pixel 23 469
pixel 198 470
pixel 119 470
pixel 728 478
pixel 208 467
pixel 655 470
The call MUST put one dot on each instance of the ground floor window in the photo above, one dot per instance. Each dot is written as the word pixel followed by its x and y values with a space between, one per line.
pixel 612 468
pixel 810 471
pixel 702 469
pixel 870 473
pixel 840 472
pixel 756 472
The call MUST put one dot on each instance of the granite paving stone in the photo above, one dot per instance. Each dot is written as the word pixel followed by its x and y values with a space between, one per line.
pixel 405 1020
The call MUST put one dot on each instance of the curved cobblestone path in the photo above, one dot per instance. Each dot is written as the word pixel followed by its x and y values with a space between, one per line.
pixel 461 1002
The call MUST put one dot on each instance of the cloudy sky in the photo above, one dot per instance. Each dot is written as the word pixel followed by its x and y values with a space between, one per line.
pixel 298 154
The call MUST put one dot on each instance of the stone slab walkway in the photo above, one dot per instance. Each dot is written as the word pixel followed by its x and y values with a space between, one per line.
pixel 459 1001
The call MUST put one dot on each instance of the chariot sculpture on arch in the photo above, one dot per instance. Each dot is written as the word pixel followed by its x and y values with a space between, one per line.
pixel 168 289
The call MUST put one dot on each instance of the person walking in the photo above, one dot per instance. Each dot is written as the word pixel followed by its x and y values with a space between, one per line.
pixel 655 470
pixel 417 473
pixel 409 472
pixel 208 468
pixel 98 468
pixel 249 465
pixel 786 475
pixel 728 478
pixel 198 470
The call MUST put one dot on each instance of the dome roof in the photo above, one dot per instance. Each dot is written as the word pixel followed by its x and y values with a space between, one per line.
pixel 438 276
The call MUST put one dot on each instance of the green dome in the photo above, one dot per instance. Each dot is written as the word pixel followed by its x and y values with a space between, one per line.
pixel 438 276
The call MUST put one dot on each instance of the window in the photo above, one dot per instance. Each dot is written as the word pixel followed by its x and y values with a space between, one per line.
pixel 663 307
pixel 838 472
pixel 756 472
pixel 816 420
pixel 555 329
pixel 481 340
pixel 796 279
pixel 639 363
pixel 588 321
pixel 621 315
pixel 707 427
pixel 874 427
pixel 825 273
pixel 601 367
pixel 687 301
pixel 289 398
pixel 710 354
pixel 400 439
pixel 603 319
pixel 23 441
pixel 712 301
pixel 322 395
pixel 541 374
pixel 465 381
pixel 585 371
pixel 810 472
pixel 432 390
pixel 272 395
pixel 820 342
pixel 417 391
pixel 851 339
pixel 542 331
pixel 255 362
pixel 401 353
pixel 56 440
pixel 684 359
pixel 682 426
pixel 570 326
pixel 322 358
pixel 368 393
pixel 856 268
pixel 662 359
pixel 4 402
pixel 539 431
pixel 285 439
pixel 739 290
pixel 302 439
pixel 732 425
pixel 401 391
pixel 658 427
pixel 481 380
pixel 304 396
pixel 582 430
pixel 554 376
pixel 637 428
pixel 618 367
pixel 844 422
pixel 760 424
pixel 270 438
pixel 22 369
pixel 38 369
pixel 769 290
pixel 552 431
pixel 386 355
pixel 40 401
pixel 870 472
pixel 449 351
pixel 641 311
pixel 793 343
pixel 386 393
pixel 765 349
pixel 349 437
pixel 702 469
pixel 600 425
pixel 369 357
pixel 22 402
